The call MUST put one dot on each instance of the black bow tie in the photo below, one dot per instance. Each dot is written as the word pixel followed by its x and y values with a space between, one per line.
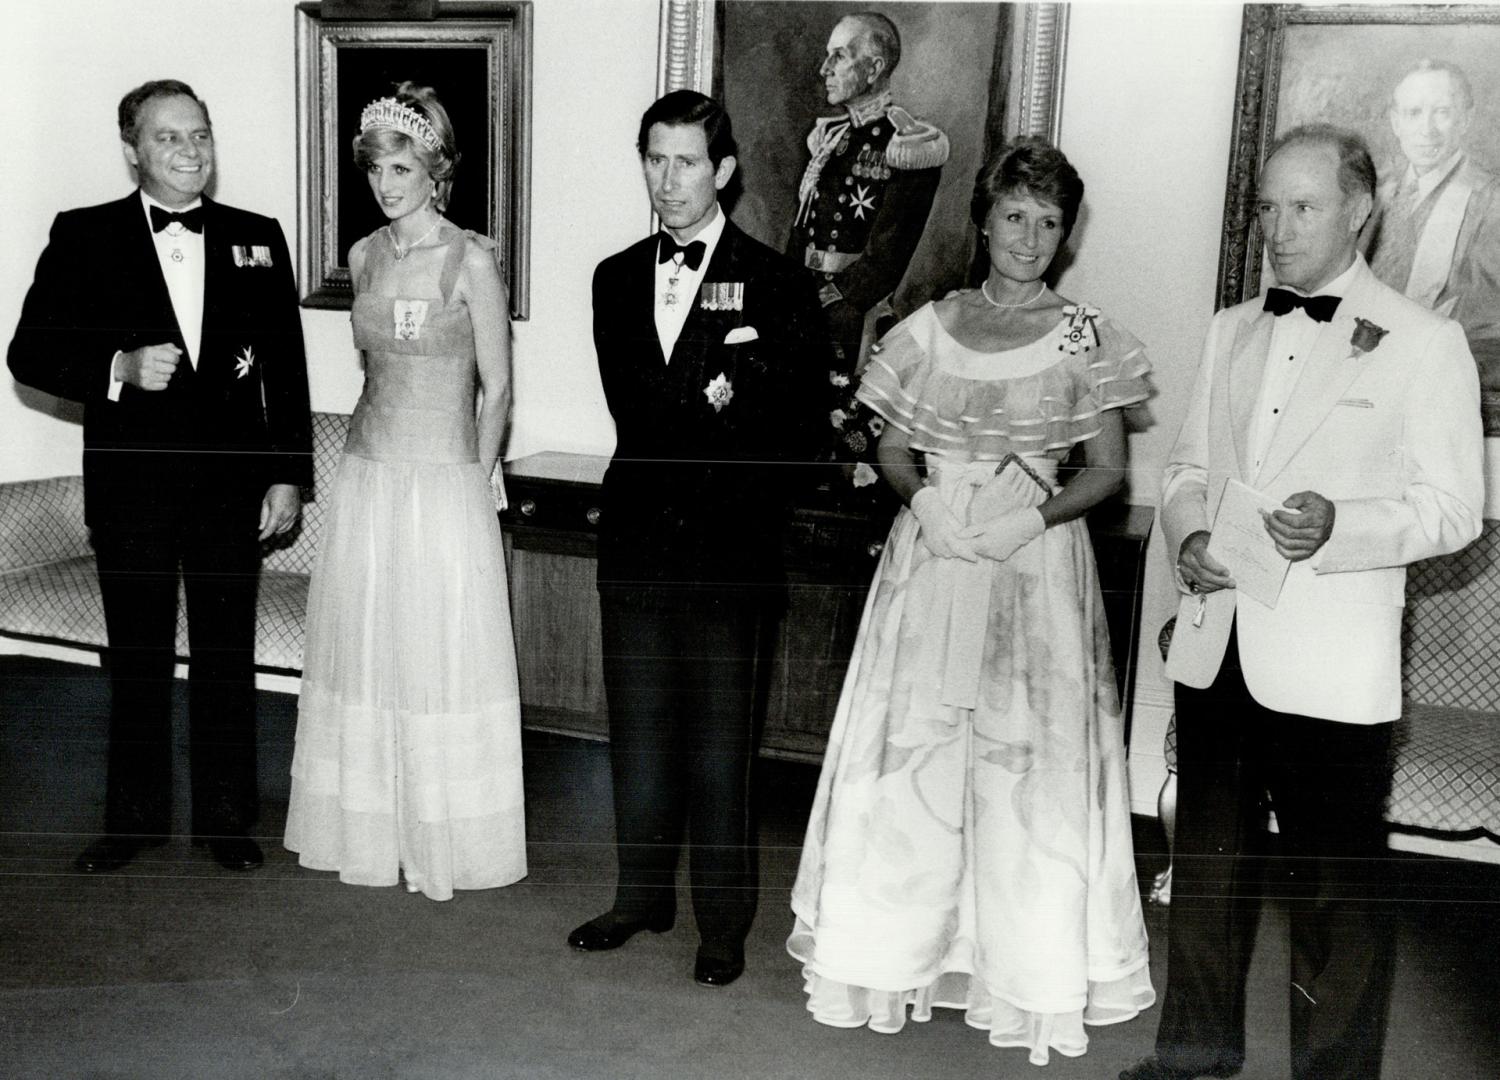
pixel 1318 308
pixel 191 220
pixel 692 251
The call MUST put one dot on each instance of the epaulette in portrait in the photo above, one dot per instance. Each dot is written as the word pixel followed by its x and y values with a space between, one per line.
pixel 916 144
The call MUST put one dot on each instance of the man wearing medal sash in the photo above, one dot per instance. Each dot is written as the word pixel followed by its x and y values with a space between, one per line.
pixel 174 320
pixel 712 354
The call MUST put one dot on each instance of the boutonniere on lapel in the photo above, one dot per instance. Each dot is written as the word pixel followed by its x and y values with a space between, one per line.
pixel 722 296
pixel 250 254
pixel 720 392
pixel 244 362
pixel 1366 337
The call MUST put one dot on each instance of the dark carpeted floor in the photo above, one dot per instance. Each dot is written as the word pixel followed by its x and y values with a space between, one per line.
pixel 174 968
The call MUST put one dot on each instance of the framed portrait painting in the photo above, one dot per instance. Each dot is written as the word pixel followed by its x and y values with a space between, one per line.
pixel 477 57
pixel 1421 84
pixel 978 73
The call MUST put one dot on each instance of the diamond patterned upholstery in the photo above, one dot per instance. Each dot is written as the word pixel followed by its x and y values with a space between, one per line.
pixel 49 590
pixel 1451 636
pixel 42 523
pixel 1447 775
pixel 1447 772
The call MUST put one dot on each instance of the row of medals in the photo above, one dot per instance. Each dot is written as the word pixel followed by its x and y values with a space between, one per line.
pixel 714 296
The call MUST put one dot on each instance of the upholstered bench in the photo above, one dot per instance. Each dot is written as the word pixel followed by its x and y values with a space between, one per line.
pixel 49 591
pixel 1445 793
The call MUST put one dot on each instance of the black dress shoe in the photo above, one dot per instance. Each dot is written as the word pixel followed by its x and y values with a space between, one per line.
pixel 719 967
pixel 1153 1068
pixel 232 852
pixel 610 931
pixel 106 853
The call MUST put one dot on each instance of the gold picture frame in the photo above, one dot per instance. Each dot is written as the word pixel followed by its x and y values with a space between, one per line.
pixel 1302 63
pixel 478 58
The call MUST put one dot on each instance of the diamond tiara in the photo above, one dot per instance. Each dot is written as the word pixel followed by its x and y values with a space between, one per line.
pixel 390 113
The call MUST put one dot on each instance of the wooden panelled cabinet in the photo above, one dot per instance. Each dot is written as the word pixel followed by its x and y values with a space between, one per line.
pixel 550 526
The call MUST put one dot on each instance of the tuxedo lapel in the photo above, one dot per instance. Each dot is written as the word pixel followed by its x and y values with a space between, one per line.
pixel 1331 366
pixel 219 293
pixel 1247 364
pixel 636 303
pixel 142 296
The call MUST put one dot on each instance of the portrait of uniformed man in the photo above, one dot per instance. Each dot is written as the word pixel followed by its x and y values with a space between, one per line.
pixel 868 186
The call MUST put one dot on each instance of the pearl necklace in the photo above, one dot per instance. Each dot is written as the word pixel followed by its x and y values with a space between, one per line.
pixel 984 288
pixel 403 253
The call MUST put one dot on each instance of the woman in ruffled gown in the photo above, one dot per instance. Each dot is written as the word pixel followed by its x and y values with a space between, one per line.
pixel 408 751
pixel 969 845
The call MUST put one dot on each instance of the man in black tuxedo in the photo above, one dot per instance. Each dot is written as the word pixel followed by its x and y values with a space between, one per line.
pixel 174 321
pixel 713 355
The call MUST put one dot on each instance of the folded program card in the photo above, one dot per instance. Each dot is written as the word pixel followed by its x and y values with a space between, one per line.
pixel 1240 542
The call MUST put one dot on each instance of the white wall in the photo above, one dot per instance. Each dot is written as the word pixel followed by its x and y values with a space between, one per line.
pixel 1148 95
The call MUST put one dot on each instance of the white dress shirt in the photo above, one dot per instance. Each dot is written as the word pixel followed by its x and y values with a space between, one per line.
pixel 179 251
pixel 1292 338
pixel 671 317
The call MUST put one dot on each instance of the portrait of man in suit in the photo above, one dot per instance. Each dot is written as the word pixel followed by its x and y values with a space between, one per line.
pixel 1435 233
pixel 173 319
pixel 711 348
pixel 1348 416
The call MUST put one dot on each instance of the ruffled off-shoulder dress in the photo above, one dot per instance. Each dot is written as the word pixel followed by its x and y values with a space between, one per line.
pixel 969 845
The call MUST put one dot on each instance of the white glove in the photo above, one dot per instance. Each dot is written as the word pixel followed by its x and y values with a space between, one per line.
pixel 1001 537
pixel 940 529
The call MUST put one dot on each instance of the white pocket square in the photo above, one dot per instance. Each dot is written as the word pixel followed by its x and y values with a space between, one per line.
pixel 741 334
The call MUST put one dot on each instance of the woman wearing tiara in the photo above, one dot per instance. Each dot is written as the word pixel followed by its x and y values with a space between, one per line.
pixel 970 845
pixel 408 754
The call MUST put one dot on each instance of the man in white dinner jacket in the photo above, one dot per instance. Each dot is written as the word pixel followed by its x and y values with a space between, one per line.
pixel 1356 411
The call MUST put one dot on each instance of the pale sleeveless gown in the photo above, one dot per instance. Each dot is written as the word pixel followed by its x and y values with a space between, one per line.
pixel 408 752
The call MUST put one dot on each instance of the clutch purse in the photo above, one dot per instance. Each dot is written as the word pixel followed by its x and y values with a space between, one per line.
pixel 1014 486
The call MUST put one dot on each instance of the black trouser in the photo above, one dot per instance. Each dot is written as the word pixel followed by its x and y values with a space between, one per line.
pixel 679 677
pixel 219 558
pixel 1328 784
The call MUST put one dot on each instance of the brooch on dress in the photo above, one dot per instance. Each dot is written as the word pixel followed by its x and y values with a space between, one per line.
pixel 1081 332
pixel 409 316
